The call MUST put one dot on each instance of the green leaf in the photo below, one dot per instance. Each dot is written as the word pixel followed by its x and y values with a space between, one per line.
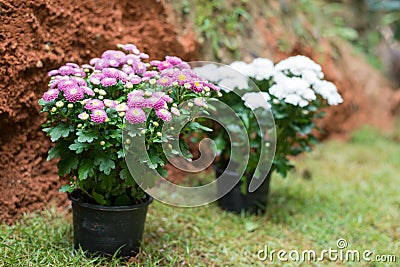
pixel 61 130
pixel 155 160
pixel 87 137
pixel 55 151
pixel 163 172
pixel 105 162
pixel 66 188
pixel 120 154
pixel 67 163
pixel 195 126
pixel 99 198
pixel 123 200
pixel 86 169
pixel 78 147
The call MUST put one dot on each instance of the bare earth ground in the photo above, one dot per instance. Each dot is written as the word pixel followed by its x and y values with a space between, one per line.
pixel 37 36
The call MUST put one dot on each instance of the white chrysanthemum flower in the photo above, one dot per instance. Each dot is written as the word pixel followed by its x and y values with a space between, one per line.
pixel 208 72
pixel 229 84
pixel 297 65
pixel 262 69
pixel 293 90
pixel 241 67
pixel 255 100
pixel 329 92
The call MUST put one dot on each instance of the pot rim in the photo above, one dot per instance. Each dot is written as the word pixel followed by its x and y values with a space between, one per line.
pixel 109 208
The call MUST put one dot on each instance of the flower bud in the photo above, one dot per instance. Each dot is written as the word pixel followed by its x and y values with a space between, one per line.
pixel 276 101
pixel 190 104
pixel 207 94
pixel 128 141
pixel 172 128
pixel 129 85
pixel 155 123
pixel 101 97
pixel 70 105
pixel 79 125
pixel 53 109
pixel 96 90
pixel 219 94
pixel 207 89
pixel 107 120
pixel 102 143
pixel 121 114
pixel 102 92
pixel 143 131
pixel 170 146
pixel 152 81
pixel 159 134
pixel 148 93
pixel 59 104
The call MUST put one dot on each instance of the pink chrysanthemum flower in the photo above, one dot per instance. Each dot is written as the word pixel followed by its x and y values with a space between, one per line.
pixel 87 90
pixel 73 65
pixel 73 94
pixel 98 116
pixel 135 115
pixel 165 81
pixel 136 101
pixel 144 55
pixel 108 82
pixel 155 62
pixel 134 79
pixel 128 47
pixel 101 64
pixel 87 66
pixel 64 84
pixel 80 81
pixel 200 102
pixel 160 104
pixel 136 93
pixel 175 111
pixel 196 86
pixel 113 55
pixel 139 67
pixel 212 86
pixel 94 60
pixel 173 60
pixel 164 114
pixel 50 95
pixel 164 65
pixel 52 73
pixel 151 101
pixel 109 103
pixel 94 104
pixel 121 107
pixel 150 74
pixel 131 59
pixel 95 78
pixel 127 69
pixel 66 70
pixel 111 73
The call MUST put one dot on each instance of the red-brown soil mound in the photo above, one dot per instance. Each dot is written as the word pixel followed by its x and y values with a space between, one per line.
pixel 37 36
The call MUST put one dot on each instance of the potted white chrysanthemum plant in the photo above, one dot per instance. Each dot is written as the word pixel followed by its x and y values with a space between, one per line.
pixel 295 92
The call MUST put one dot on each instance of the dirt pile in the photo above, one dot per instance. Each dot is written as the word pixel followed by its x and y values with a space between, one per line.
pixel 37 36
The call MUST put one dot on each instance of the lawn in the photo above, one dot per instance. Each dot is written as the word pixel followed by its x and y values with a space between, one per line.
pixel 342 190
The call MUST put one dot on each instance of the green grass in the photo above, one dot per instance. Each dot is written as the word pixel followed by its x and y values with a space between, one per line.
pixel 353 193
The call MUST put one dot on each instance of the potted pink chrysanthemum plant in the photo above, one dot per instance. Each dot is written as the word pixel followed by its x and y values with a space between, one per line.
pixel 87 109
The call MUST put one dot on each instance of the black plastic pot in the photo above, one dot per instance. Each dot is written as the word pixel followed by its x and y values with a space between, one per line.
pixel 107 229
pixel 235 201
